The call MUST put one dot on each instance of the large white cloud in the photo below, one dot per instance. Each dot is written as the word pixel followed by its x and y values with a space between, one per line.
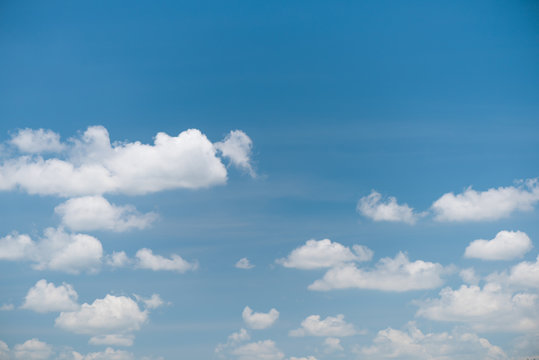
pixel 397 274
pixel 91 165
pixel 413 344
pixel 491 308
pixel 111 320
pixel 332 326
pixel 323 254
pixel 32 349
pixel 373 207
pixel 261 350
pixel 96 213
pixel 492 204
pixel 45 297
pixel 37 141
pixel 506 245
pixel 56 250
pixel 147 260
pixel 259 320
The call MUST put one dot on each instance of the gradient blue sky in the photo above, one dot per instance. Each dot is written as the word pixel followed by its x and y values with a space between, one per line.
pixel 412 99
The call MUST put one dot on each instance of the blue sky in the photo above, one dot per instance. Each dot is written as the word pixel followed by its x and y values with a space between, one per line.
pixel 374 162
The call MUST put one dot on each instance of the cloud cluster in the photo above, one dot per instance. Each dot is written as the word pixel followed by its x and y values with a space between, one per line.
pixel 506 245
pixel 259 320
pixel 91 165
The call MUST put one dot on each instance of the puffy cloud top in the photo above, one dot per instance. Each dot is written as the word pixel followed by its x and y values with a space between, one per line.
pixel 506 245
pixel 259 320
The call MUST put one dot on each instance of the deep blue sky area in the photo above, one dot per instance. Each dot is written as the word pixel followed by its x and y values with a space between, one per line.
pixel 411 99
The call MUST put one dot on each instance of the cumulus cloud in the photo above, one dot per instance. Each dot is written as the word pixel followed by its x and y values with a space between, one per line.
pixel 491 308
pixel 152 302
pixel 96 213
pixel 397 274
pixel 91 165
pixel 118 259
pixel 333 344
pixel 259 320
pixel 56 250
pixel 32 349
pixel 110 320
pixel 331 326
pixel 37 141
pixel 233 340
pixel 45 297
pixel 373 207
pixel 244 263
pixel 506 245
pixel 147 260
pixel 323 254
pixel 523 275
pixel 413 344
pixel 261 350
pixel 237 148
pixel 108 354
pixel 492 204
pixel 469 276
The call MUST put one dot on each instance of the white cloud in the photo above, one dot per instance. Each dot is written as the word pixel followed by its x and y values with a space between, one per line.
pixel 32 349
pixel 147 260
pixel 469 276
pixel 96 213
pixel 37 141
pixel 45 297
pixel 303 358
pixel 57 250
pixel 259 320
pixel 110 320
pixel 493 204
pixel 413 344
pixel 91 165
pixel 333 344
pixel 397 274
pixel 506 245
pixel 4 351
pixel 244 263
pixel 374 208
pixel 491 308
pixel 152 302
pixel 525 274
pixel 331 326
pixel 261 350
pixel 237 148
pixel 323 254
pixel 233 340
pixel 118 259
pixel 108 354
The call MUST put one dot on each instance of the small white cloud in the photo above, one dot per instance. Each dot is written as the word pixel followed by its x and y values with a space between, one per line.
pixel 56 250
pixel 374 208
pixel 233 340
pixel 153 302
pixel 118 259
pixel 37 141
pixel 259 320
pixel 32 350
pixel 7 307
pixel 108 354
pixel 303 358
pixel 261 350
pixel 147 260
pixel 45 297
pixel 506 245
pixel 493 204
pixel 244 263
pixel 237 148
pixel 96 213
pixel 110 320
pixel 331 326
pixel 397 274
pixel 333 344
pixel 323 254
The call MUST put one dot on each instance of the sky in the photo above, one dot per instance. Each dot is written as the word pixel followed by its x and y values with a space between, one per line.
pixel 301 180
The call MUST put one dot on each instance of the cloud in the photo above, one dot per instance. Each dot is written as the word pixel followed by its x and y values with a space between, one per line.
pixel 523 275
pixel 323 254
pixel 91 165
pixel 110 320
pixel 491 308
pixel 261 350
pixel 147 260
pixel 45 297
pixel 259 320
pixel 233 340
pixel 56 250
pixel 108 354
pixel 96 213
pixel 4 351
pixel 244 263
pixel 32 349
pixel 153 302
pixel 7 307
pixel 397 274
pixel 493 204
pixel 331 326
pixel 118 259
pixel 303 358
pixel 237 148
pixel 469 276
pixel 374 208
pixel 506 245
pixel 333 344
pixel 413 344
pixel 37 141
